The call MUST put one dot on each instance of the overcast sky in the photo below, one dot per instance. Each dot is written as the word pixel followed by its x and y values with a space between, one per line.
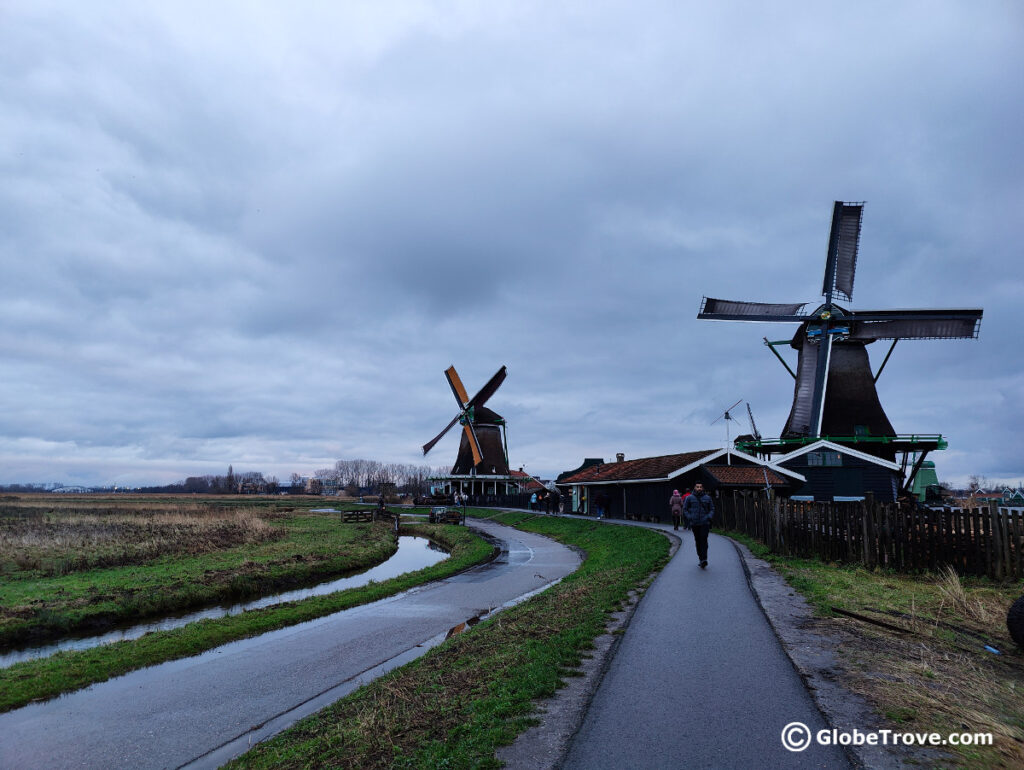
pixel 257 233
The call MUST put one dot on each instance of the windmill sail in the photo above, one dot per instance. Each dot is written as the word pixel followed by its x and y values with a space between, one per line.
pixel 458 389
pixel 469 436
pixel 488 390
pixel 821 383
pixel 430 444
pixel 915 324
pixel 799 422
pixel 843 244
pixel 730 310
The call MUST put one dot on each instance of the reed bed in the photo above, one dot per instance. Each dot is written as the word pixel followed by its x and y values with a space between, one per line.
pixel 56 539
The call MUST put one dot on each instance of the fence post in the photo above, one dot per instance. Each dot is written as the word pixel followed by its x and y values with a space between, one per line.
pixel 776 523
pixel 1018 545
pixel 996 554
pixel 1006 534
pixel 870 532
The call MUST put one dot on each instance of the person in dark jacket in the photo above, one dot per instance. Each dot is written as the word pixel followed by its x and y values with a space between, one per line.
pixel 698 510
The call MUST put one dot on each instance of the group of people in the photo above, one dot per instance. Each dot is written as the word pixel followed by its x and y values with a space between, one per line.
pixel 549 502
pixel 694 510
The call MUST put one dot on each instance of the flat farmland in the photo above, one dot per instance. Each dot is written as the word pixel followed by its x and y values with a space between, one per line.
pixel 85 564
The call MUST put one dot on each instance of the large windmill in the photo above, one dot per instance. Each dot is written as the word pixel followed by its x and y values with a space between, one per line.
pixel 483 450
pixel 835 396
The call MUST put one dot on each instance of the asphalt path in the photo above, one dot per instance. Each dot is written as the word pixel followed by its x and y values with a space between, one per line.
pixel 205 709
pixel 699 679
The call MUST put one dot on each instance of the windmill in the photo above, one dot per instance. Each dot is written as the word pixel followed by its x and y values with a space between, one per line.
pixel 835 395
pixel 482 450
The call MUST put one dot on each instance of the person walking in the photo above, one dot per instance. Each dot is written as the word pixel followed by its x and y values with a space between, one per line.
pixel 699 510
pixel 533 501
pixel 675 505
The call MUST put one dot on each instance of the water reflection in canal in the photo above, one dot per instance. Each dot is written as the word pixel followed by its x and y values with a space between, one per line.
pixel 413 553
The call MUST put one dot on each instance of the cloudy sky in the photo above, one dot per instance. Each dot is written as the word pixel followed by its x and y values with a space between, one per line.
pixel 257 233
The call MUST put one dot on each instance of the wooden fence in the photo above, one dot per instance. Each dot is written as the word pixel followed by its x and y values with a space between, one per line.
pixel 987 541
pixel 367 515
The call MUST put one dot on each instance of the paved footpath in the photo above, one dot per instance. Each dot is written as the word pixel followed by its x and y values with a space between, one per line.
pixel 699 680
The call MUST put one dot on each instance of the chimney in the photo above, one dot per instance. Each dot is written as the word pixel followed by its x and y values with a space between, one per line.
pixel 620 457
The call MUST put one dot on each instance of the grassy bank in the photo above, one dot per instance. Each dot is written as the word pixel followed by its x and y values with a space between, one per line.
pixel 73 569
pixel 454 706
pixel 25 682
pixel 934 674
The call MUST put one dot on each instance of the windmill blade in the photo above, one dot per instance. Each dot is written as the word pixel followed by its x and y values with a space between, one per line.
pixel 430 444
pixel 803 397
pixel 729 310
pixel 457 387
pixel 915 324
pixel 489 389
pixel 820 383
pixel 843 244
pixel 474 444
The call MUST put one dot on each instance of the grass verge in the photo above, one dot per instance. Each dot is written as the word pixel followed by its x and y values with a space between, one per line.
pixel 936 674
pixel 34 680
pixel 454 706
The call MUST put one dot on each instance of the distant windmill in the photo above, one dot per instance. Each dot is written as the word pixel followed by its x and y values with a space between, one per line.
pixel 482 449
pixel 835 394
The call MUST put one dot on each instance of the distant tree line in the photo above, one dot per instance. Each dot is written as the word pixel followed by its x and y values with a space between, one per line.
pixel 248 482
pixel 356 477
pixel 350 477
pixel 24 488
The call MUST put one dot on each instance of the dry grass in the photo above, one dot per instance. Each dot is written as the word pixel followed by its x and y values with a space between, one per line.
pixel 937 676
pixel 44 538
pixel 925 684
pixel 981 609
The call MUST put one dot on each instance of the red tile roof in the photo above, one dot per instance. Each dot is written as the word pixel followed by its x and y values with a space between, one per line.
pixel 643 468
pixel 743 475
pixel 531 486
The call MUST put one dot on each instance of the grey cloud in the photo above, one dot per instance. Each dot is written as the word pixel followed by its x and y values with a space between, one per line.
pixel 257 234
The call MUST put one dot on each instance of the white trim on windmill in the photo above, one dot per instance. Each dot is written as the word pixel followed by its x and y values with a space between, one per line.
pixel 817 446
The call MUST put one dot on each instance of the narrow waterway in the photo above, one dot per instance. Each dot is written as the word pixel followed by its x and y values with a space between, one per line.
pixel 414 553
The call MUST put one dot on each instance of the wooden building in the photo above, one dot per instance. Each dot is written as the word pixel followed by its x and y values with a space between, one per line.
pixel 642 487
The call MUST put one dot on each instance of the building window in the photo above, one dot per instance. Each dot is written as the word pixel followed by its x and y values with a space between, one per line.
pixel 831 459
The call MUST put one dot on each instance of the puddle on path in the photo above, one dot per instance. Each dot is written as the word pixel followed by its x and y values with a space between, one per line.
pixel 413 553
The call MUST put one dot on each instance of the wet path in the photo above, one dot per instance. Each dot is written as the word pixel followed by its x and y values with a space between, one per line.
pixel 700 679
pixel 203 709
